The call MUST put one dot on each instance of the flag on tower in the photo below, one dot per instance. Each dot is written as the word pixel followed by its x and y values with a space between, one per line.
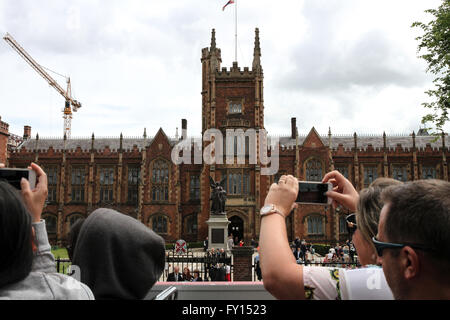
pixel 229 2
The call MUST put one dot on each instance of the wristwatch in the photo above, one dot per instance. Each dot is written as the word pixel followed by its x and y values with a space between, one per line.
pixel 269 209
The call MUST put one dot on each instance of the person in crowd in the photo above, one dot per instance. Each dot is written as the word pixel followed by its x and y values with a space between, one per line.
pixel 187 274
pixel 303 250
pixel 227 272
pixel 413 240
pixel 118 256
pixel 298 255
pixel 329 256
pixel 258 266
pixel 27 266
pixel 230 243
pixel 205 244
pixel 196 277
pixel 241 243
pixel 221 253
pixel 285 279
pixel 175 276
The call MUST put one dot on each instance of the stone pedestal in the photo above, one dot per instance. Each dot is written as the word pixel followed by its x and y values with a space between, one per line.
pixel 217 231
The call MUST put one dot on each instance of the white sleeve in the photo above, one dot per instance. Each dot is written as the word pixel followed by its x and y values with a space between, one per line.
pixel 321 283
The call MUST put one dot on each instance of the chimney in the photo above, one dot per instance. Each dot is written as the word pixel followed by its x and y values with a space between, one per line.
pixel 26 132
pixel 293 128
pixel 184 128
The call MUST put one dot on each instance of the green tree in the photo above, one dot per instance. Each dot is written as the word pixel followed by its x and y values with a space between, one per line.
pixel 434 48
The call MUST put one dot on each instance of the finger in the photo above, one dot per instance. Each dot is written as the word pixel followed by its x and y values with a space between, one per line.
pixel 338 197
pixel 292 182
pixel 333 174
pixel 41 176
pixel 25 187
pixel 273 186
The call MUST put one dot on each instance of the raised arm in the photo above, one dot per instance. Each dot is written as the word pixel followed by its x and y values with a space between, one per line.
pixel 281 274
pixel 34 200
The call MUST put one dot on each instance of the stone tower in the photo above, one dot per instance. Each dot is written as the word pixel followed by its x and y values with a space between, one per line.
pixel 232 99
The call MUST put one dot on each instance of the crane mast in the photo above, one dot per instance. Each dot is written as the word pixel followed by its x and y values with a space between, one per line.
pixel 67 94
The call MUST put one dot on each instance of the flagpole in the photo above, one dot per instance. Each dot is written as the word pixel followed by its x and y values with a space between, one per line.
pixel 235 30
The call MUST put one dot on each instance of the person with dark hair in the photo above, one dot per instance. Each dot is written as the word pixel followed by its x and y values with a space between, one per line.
pixel 27 266
pixel 413 240
pixel 119 257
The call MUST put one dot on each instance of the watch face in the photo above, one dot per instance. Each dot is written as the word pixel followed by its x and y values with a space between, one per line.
pixel 266 209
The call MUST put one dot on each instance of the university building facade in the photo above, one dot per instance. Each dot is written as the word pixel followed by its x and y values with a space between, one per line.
pixel 137 176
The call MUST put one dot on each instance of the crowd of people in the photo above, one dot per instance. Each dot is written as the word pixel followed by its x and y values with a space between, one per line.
pixel 113 255
pixel 215 267
pixel 399 231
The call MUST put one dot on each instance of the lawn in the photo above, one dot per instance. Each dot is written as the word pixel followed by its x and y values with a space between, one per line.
pixel 60 252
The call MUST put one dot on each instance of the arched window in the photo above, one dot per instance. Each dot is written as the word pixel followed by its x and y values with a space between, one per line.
pixel 70 220
pixel 159 224
pixel 51 222
pixel 160 181
pixel 314 170
pixel 190 224
pixel 315 225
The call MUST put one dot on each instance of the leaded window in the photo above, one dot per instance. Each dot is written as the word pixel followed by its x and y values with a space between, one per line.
pixel 160 181
pixel 106 184
pixel 52 179
pixel 315 225
pixel 159 224
pixel 314 170
pixel 194 187
pixel 190 224
pixel 234 107
pixel 399 173
pixel 428 172
pixel 78 183
pixel 370 174
pixel 343 170
pixel 133 183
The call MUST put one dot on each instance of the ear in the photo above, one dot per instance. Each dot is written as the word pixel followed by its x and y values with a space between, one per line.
pixel 410 262
pixel 33 240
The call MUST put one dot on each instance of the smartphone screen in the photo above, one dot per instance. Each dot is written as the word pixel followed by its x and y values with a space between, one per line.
pixel 312 192
pixel 13 176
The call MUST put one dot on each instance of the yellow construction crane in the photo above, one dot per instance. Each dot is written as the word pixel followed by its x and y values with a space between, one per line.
pixel 67 94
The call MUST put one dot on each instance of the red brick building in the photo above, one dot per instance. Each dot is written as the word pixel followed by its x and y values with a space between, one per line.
pixel 137 176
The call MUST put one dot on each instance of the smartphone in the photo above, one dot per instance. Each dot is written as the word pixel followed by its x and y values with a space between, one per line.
pixel 14 175
pixel 311 192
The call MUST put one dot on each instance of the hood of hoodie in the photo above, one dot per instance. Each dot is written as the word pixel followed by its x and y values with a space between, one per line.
pixel 118 256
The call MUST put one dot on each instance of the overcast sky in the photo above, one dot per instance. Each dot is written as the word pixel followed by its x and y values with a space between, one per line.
pixel 346 64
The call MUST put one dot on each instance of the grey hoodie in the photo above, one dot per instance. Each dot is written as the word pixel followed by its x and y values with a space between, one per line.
pixel 118 256
pixel 43 282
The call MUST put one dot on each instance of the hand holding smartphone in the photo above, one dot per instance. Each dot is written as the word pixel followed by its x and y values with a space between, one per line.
pixel 14 175
pixel 310 192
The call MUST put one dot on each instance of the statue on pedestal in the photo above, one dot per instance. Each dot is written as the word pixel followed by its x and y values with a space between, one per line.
pixel 218 196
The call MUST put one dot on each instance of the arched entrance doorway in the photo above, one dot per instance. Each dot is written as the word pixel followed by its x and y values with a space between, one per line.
pixel 236 227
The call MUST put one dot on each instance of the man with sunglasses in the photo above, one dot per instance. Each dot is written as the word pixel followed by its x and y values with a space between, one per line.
pixel 413 240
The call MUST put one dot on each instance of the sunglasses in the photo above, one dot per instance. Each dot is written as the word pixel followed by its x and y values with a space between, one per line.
pixel 380 246
pixel 351 224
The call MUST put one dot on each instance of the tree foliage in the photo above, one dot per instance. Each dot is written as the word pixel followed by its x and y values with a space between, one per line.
pixel 434 48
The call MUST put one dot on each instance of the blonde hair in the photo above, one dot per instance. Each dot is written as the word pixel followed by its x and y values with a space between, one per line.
pixel 369 207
